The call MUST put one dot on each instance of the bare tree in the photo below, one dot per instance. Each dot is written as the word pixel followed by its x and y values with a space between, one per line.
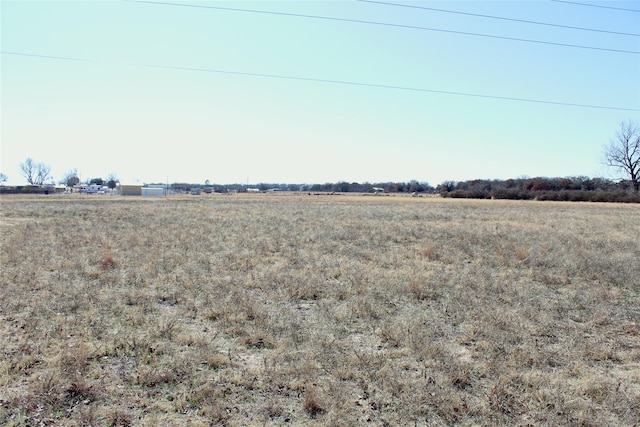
pixel 35 173
pixel 28 169
pixel 44 173
pixel 623 152
pixel 3 177
pixel 70 178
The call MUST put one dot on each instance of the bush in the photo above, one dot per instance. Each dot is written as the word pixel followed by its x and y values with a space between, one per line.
pixel 589 196
pixel 468 194
pixel 511 194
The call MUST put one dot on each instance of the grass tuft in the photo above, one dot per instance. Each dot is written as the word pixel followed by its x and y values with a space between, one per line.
pixel 313 404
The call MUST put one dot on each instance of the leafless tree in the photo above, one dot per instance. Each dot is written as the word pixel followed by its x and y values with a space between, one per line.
pixel 623 152
pixel 35 173
pixel 70 178
pixel 3 177
pixel 28 169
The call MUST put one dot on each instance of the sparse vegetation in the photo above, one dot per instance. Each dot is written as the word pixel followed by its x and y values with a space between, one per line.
pixel 292 310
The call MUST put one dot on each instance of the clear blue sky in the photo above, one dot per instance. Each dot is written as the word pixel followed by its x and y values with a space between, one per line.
pixel 112 107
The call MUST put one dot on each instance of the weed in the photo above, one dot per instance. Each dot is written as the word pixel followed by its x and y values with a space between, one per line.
pixel 107 260
pixel 313 404
pixel 120 418
pixel 431 252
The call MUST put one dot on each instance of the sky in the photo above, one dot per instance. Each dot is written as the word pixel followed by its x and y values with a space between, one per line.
pixel 316 91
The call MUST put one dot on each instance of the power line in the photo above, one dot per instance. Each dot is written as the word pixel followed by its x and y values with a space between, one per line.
pixel 597 5
pixel 330 81
pixel 387 24
pixel 500 17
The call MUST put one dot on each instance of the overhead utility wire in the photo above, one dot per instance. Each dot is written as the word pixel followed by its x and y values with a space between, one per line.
pixel 318 80
pixel 597 5
pixel 387 24
pixel 500 17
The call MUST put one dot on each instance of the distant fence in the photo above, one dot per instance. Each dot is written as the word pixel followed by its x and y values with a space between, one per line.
pixel 30 189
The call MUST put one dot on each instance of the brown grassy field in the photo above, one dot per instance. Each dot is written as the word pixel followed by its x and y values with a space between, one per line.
pixel 318 310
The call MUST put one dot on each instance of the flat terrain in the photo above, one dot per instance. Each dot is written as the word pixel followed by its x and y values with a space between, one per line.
pixel 317 310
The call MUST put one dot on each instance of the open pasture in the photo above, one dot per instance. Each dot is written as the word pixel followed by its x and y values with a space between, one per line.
pixel 318 310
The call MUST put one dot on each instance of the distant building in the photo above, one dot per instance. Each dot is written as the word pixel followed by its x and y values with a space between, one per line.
pixel 153 191
pixel 131 189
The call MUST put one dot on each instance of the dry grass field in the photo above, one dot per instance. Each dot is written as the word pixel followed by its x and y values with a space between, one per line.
pixel 318 310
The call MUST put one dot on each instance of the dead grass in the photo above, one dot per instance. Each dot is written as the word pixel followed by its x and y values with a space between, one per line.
pixel 318 310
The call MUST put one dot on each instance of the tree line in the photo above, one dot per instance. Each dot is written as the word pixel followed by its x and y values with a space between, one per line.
pixel 578 189
pixel 329 187
pixel 622 153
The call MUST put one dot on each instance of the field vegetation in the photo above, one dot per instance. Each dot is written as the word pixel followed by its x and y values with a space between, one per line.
pixel 271 309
